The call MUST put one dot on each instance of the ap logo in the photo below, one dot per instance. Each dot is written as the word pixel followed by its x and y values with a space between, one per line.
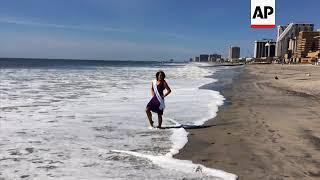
pixel 263 13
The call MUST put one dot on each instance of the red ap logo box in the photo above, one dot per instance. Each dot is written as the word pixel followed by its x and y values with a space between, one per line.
pixel 263 13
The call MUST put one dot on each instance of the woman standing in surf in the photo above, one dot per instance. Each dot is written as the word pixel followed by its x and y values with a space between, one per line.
pixel 156 104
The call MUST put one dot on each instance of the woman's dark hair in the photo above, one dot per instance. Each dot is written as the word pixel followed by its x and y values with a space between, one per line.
pixel 160 72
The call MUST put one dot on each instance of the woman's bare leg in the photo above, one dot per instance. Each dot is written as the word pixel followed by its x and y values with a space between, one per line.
pixel 159 120
pixel 149 115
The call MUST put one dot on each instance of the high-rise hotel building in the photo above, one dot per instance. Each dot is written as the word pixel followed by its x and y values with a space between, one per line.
pixel 264 48
pixel 234 53
pixel 287 38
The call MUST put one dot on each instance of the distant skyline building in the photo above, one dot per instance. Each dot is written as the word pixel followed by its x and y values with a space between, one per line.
pixel 307 42
pixel 204 58
pixel 264 48
pixel 207 58
pixel 214 57
pixel 234 52
pixel 287 38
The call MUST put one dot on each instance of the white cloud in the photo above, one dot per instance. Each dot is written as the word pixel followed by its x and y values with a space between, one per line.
pixel 35 45
pixel 11 20
pixel 50 47
pixel 28 22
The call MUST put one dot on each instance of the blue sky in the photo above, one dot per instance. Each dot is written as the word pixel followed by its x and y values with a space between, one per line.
pixel 136 29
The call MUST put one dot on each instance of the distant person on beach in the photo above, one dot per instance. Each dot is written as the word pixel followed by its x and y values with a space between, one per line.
pixel 156 104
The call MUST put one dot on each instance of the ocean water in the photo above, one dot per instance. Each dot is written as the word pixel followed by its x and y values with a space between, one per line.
pixel 86 120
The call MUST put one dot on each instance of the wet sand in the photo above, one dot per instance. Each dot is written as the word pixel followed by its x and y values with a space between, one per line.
pixel 269 130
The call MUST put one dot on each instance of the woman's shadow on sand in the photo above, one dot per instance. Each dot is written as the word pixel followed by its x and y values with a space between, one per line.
pixel 194 126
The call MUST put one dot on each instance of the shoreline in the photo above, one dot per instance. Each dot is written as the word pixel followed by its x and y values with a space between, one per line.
pixel 269 128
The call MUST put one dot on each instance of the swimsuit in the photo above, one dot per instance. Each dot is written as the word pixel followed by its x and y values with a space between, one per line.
pixel 154 104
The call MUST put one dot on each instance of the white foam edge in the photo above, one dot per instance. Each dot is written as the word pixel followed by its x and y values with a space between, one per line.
pixel 185 166
pixel 213 106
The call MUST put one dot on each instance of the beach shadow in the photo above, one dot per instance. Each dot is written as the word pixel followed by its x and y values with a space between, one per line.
pixel 195 126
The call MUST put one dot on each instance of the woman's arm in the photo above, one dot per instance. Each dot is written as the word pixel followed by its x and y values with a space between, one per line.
pixel 167 88
pixel 152 92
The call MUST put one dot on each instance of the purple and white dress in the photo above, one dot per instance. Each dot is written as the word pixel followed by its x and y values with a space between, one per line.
pixel 156 104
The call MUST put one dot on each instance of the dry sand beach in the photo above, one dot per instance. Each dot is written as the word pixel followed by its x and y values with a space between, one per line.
pixel 271 129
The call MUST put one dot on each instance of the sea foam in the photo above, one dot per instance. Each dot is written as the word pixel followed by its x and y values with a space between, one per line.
pixel 62 123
